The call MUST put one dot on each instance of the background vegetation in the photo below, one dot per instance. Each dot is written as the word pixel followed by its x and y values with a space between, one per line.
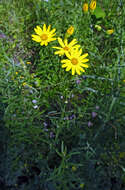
pixel 58 131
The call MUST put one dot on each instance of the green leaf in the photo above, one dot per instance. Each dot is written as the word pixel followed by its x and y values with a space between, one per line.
pixel 99 13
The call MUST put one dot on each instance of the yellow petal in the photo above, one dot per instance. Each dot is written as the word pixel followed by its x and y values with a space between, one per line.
pixel 66 61
pixel 76 47
pixel 68 68
pixel 80 52
pixel 52 39
pixel 38 30
pixel 36 38
pixel 78 70
pixel 42 43
pixel 64 65
pixel 68 55
pixel 73 70
pixel 61 42
pixel 57 47
pixel 48 30
pixel 85 60
pixel 84 55
pixel 46 43
pixel 58 52
pixel 52 31
pixel 72 43
pixel 44 28
pixel 66 42
pixel 53 34
pixel 81 69
pixel 84 65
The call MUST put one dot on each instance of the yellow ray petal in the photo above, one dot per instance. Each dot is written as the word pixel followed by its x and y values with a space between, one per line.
pixel 52 39
pixel 58 52
pixel 48 30
pixel 76 47
pixel 64 65
pixel 38 30
pixel 42 43
pixel 81 69
pixel 57 47
pixel 72 43
pixel 52 34
pixel 52 31
pixel 84 60
pixel 78 70
pixel 84 55
pixel 65 61
pixel 61 42
pixel 44 28
pixel 46 43
pixel 73 70
pixel 84 65
pixel 80 52
pixel 36 38
pixel 68 68
pixel 66 42
pixel 68 55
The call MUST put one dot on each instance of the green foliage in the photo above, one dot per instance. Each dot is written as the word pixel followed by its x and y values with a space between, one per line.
pixel 99 13
pixel 60 131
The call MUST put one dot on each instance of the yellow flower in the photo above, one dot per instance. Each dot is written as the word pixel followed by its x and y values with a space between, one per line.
pixel 65 46
pixel 122 155
pixel 111 31
pixel 75 61
pixel 74 168
pixel 21 77
pixel 44 36
pixel 85 7
pixel 24 84
pixel 28 62
pixel 70 30
pixel 82 185
pixel 93 5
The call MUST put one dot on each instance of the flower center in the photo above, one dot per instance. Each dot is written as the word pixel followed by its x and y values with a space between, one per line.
pixel 74 61
pixel 44 37
pixel 66 48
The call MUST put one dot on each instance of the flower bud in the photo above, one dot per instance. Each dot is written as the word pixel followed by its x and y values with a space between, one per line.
pixel 93 5
pixel 99 28
pixel 70 30
pixel 74 168
pixel 109 32
pixel 85 7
